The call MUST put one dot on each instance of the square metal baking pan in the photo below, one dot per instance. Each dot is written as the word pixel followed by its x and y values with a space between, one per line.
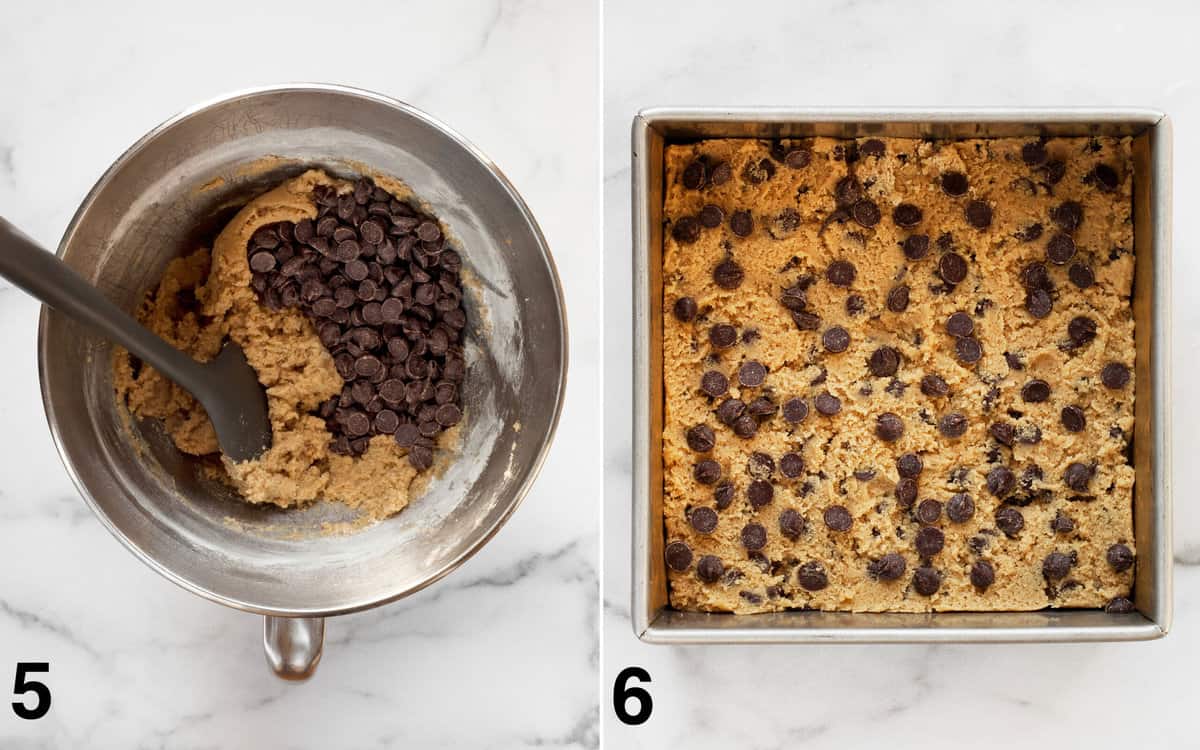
pixel 656 622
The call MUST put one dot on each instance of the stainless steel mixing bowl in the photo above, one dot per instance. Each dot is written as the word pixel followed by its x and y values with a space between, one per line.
pixel 173 189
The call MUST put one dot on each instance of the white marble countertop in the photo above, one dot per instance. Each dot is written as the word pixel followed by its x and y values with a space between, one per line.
pixel 878 54
pixel 503 652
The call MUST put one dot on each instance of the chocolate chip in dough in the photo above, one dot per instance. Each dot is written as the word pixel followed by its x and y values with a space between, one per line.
pixel 968 350
pixel 714 383
pixel 1081 331
pixel 795 410
pixel 836 340
pixel 1081 275
pixel 1067 215
pixel 760 493
pixel 1119 606
pixel 916 246
pixel 926 581
pixel 887 568
pixel 728 274
pixel 884 362
pixel 797 158
pixel 1010 520
pixel 889 427
pixel 1034 153
pixel 983 574
pixel 1077 476
pixel 710 568
pixel 960 324
pixel 978 214
pixel 741 223
pixel 906 492
pixel 954 183
pixel 1056 566
pixel 791 465
pixel 1119 557
pixel 791 524
pixel 694 175
pixel 953 425
pixel 811 576
pixel 929 511
pixel 960 508
pixel 685 309
pixel 703 519
pixel 909 465
pixel 1114 375
pixel 1000 481
pixel 934 386
pixel 722 336
pixel 827 404
pixel 837 518
pixel 866 213
pixel 711 216
pixel 1060 248
pixel 952 268
pixel 701 438
pixel 707 472
pixel 754 536
pixel 679 556
pixel 897 299
pixel 929 541
pixel 1035 391
pixel 841 273
pixel 907 215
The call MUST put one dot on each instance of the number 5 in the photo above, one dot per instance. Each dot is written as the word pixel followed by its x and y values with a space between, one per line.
pixel 22 685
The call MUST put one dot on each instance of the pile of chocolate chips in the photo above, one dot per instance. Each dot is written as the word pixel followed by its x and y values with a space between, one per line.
pixel 376 279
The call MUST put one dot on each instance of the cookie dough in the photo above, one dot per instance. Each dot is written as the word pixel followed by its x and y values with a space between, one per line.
pixel 207 296
pixel 898 374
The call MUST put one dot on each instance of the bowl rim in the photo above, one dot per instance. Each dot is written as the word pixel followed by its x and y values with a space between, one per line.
pixel 535 468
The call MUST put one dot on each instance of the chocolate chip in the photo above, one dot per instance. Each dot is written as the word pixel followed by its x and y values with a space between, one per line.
pixel 841 273
pixel 897 299
pixel 701 438
pixel 884 362
pixel 694 175
pixel 983 574
pixel 811 576
pixel 1114 375
pixel 710 568
pixel 703 520
pixel 953 425
pixel 686 230
pixel 906 492
pixel 1081 275
pixel 838 518
pixel 1081 331
pixel 827 404
pixel 872 147
pixel 705 472
pixel 1029 233
pixel 722 336
pixel 806 321
pixel 979 214
pixel 855 304
pixel 795 410
pixel 887 568
pixel 679 556
pixel 960 507
pixel 952 268
pixel 836 339
pixel 723 495
pixel 954 183
pixel 1077 476
pixel 711 216
pixel 934 386
pixel 926 581
pixel 751 374
pixel 728 274
pixel 791 465
pixel 731 410
pixel 760 493
pixel 929 541
pixel 1119 606
pixel 741 223
pixel 866 213
pixel 791 524
pixel 1105 178
pixel 960 324
pixel 720 173
pixel 756 173
pixel 1034 153
pixel 1038 303
pixel 968 350
pixel 1000 481
pixel 847 192
pixel 1073 418
pixel 916 246
pixel 889 427
pixel 1067 215
pixel 928 512
pixel 1035 391
pixel 1003 432
pixel 1060 248
pixel 1119 557
pixel 754 536
pixel 797 158
pixel 1056 566
pixel 714 383
pixel 909 465
pixel 907 215
pixel 1009 520
pixel 745 427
